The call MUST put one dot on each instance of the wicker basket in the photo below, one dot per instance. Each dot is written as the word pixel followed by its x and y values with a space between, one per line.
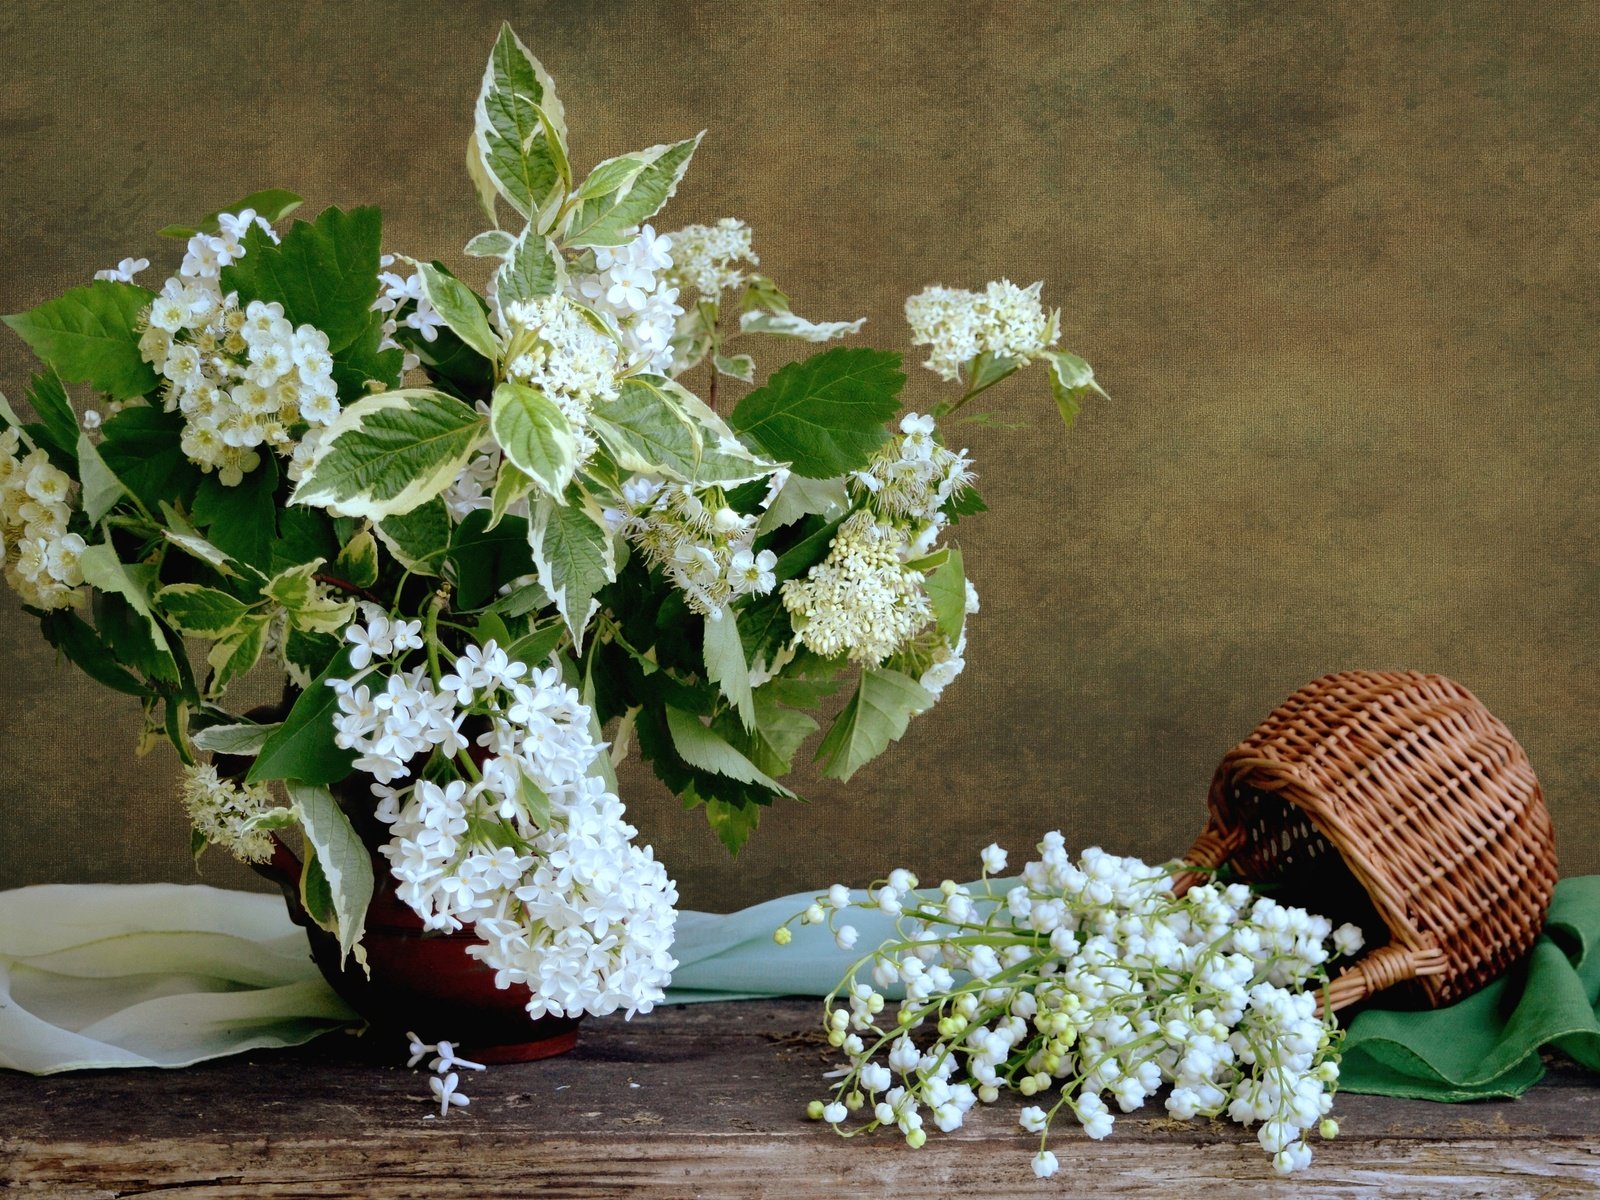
pixel 1398 801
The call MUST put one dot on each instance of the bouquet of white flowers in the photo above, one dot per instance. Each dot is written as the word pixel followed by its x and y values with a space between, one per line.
pixel 487 532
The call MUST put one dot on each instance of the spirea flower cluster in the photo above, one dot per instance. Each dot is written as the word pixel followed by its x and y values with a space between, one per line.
pixel 1085 984
pixel 40 556
pixel 633 285
pixel 553 347
pixel 861 600
pixel 704 256
pixel 231 815
pixel 912 477
pixel 957 325
pixel 525 846
pixel 697 541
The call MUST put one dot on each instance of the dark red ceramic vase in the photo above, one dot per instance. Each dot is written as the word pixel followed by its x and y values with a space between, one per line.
pixel 422 981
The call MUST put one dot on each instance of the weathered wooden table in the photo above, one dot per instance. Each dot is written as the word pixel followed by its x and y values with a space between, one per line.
pixel 707 1101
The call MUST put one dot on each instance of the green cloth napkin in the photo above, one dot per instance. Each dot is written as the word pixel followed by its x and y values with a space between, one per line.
pixel 1487 1046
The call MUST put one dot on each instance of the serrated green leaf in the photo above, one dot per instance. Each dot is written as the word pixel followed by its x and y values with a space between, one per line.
pixel 780 731
pixel 533 267
pixel 573 556
pixel 90 335
pixel 302 747
pixel 535 436
pixel 202 611
pixel 389 453
pixel 83 646
pixel 824 416
pixel 726 666
pixel 58 421
pixel 104 571
pixel 101 489
pixel 876 715
pixel 243 740
pixel 801 497
pixel 606 219
pixel 142 447
pixel 241 521
pixel 732 823
pixel 344 860
pixel 987 369
pixel 324 273
pixel 947 592
pixel 482 557
pixel 271 205
pixel 807 552
pixel 418 539
pixel 610 175
pixel 457 305
pixel 647 431
pixel 516 115
pixel 707 750
pixel 365 366
pixel 491 243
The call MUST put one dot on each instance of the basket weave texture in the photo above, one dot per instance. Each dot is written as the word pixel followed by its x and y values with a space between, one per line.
pixel 1395 799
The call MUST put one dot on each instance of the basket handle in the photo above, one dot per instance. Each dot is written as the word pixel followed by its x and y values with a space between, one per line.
pixel 1210 850
pixel 1380 970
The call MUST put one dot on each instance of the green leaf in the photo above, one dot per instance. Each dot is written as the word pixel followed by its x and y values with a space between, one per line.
pixel 824 416
pixel 779 731
pixel 202 611
pixel 142 447
pixel 533 267
pixel 84 647
pixel 875 716
pixel 801 497
pixel 57 421
pixel 357 563
pixel 242 521
pixel 325 274
pixel 606 219
pixel 738 366
pixel 482 558
pixel 987 369
pixel 243 739
pixel 104 571
pixel 305 654
pixel 233 656
pixel 1071 379
pixel 519 127
pixel 101 489
pixel 458 306
pixel 302 748
pixel 310 609
pixel 316 894
pixel 175 529
pixel 343 857
pixel 807 552
pixel 91 335
pixel 788 324
pixel 510 486
pixel 947 592
pixel 389 453
pixel 535 649
pixel 574 557
pixel 535 801
pixel 647 431
pixel 726 666
pixel 363 367
pixel 271 205
pixel 492 243
pixel 482 186
pixel 732 823
pixel 535 436
pixel 707 750
pixel 964 502
pixel 303 534
pixel 418 539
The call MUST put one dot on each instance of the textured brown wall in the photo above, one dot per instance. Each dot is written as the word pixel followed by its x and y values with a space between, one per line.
pixel 1334 262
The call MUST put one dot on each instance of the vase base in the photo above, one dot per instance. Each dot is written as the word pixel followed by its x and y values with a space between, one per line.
pixel 521 1052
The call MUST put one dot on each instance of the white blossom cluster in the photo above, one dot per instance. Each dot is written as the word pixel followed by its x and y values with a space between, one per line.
pixel 528 849
pixel 911 477
pixel 1085 984
pixel 243 378
pixel 861 600
pixel 553 347
pixel 703 256
pixel 958 325
pixel 632 285
pixel 395 291
pixel 229 815
pixel 40 556
pixel 703 546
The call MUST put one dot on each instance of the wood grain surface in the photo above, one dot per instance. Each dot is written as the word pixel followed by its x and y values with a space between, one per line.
pixel 706 1101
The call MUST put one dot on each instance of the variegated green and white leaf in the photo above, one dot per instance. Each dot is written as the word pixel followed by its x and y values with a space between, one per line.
pixel 736 366
pixel 456 304
pixel 483 187
pixel 242 739
pixel 177 530
pixel 646 429
pixel 418 539
pixel 105 572
pixel 310 608
pixel 201 611
pixel 788 324
pixel 520 127
pixel 391 452
pixel 1071 379
pixel 343 857
pixel 573 555
pixel 510 486
pixel 535 436
pixel 533 267
pixel 357 563
pixel 605 219
pixel 232 657
pixel 491 243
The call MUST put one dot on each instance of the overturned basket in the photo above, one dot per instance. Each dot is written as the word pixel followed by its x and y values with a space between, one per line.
pixel 1398 801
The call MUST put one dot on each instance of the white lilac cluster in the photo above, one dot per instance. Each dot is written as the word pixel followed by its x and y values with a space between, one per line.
pixel 1084 984
pixel 631 284
pixel 524 845
pixel 40 556
pixel 1003 320
pixel 695 540
pixel 243 378
pixel 553 347
pixel 395 292
pixel 703 256
pixel 861 600
pixel 229 815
